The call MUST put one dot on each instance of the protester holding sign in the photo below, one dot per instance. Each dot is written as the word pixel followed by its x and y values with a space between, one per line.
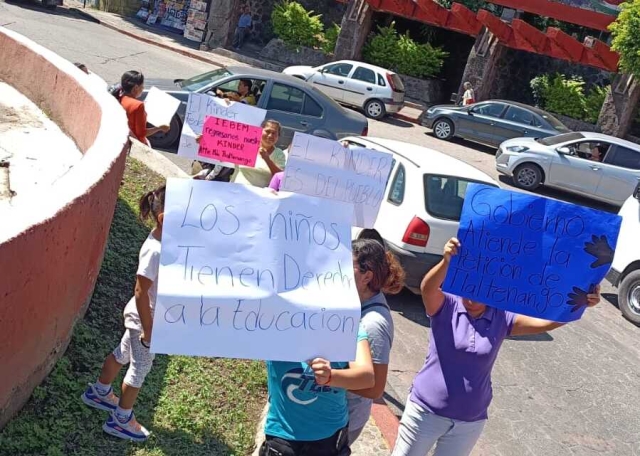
pixel 271 159
pixel 452 392
pixel 376 272
pixel 308 413
pixel 134 346
pixel 130 89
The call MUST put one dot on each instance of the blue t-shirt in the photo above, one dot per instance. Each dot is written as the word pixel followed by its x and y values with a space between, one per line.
pixel 245 21
pixel 299 408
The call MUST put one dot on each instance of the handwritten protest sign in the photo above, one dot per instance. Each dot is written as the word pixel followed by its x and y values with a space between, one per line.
pixel 160 107
pixel 229 141
pixel 245 273
pixel 324 168
pixel 530 255
pixel 200 107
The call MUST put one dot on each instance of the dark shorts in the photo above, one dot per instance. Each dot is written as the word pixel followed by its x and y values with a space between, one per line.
pixel 336 445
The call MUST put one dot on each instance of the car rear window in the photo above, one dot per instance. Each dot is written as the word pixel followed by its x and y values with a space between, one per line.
pixel 444 195
pixel 559 139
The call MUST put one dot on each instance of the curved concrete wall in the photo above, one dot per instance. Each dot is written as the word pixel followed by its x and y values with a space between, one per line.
pixel 52 244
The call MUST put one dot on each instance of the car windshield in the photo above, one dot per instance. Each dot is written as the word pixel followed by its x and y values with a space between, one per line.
pixel 444 195
pixel 196 83
pixel 559 139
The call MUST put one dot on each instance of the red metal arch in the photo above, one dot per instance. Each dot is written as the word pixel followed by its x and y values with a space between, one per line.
pixel 517 35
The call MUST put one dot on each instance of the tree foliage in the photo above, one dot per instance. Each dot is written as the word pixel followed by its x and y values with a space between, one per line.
pixel 626 36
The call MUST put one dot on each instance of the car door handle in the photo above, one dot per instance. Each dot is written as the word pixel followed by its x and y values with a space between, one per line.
pixel 304 123
pixel 340 82
pixel 369 89
pixel 595 168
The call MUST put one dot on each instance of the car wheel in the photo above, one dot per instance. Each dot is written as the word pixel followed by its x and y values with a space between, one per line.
pixel 375 109
pixel 629 297
pixel 166 140
pixel 443 129
pixel 527 176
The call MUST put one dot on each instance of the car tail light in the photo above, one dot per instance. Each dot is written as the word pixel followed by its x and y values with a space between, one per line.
pixel 365 131
pixel 417 233
pixel 391 83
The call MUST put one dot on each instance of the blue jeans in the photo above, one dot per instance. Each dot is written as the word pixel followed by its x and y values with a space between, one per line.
pixel 420 430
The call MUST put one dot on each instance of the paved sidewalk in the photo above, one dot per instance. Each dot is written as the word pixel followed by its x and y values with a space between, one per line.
pixel 218 57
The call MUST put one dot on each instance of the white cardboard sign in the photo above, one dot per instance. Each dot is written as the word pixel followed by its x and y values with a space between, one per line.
pixel 201 106
pixel 160 107
pixel 324 168
pixel 245 273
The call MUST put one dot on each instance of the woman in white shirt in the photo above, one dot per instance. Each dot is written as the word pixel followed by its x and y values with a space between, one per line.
pixel 469 96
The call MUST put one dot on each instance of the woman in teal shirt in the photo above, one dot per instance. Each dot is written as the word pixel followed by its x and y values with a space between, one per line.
pixel 308 413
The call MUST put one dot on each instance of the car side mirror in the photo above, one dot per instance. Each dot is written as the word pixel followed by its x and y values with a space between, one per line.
pixel 322 70
pixel 636 191
pixel 470 111
pixel 564 150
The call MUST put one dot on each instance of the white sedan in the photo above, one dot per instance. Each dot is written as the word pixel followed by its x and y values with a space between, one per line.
pixel 593 165
pixel 377 91
pixel 423 200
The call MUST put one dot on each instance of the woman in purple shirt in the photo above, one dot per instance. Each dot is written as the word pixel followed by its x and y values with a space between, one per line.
pixel 452 392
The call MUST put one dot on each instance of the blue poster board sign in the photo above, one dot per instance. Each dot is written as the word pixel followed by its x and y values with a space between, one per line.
pixel 530 255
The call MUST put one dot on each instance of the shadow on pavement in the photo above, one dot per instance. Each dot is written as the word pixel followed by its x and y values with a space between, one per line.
pixel 394 121
pixel 409 306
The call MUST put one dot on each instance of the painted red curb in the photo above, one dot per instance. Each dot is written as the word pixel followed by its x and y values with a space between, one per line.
pixel 386 421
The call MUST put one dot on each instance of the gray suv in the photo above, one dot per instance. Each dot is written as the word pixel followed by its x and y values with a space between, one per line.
pixel 491 122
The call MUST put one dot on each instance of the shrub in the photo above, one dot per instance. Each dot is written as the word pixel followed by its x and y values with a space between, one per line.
pixel 401 53
pixel 296 26
pixel 566 96
pixel 330 38
pixel 594 102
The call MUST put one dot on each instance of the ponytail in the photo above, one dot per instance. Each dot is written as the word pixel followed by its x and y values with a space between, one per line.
pixel 395 280
pixel 152 203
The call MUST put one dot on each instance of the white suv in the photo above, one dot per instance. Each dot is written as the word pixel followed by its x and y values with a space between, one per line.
pixel 376 90
pixel 421 208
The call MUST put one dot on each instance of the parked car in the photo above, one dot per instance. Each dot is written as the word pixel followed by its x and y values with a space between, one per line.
pixel 625 269
pixel 377 91
pixel 593 165
pixel 292 102
pixel 491 122
pixel 421 208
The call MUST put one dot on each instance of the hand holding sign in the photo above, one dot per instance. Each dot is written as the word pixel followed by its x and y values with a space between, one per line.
pixel 530 255
pixel 582 298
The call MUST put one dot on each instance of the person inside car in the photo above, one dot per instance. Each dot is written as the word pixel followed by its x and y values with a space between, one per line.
pixel 243 95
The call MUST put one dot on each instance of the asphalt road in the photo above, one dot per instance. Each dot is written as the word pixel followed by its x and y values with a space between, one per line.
pixel 573 391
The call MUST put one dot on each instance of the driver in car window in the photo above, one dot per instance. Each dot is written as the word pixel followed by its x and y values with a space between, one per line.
pixel 243 95
pixel 596 154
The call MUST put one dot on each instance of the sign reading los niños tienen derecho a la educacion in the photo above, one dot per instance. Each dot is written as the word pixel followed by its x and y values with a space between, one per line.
pixel 530 255
pixel 248 274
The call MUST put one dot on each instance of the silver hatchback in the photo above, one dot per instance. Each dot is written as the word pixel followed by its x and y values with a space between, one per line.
pixel 593 165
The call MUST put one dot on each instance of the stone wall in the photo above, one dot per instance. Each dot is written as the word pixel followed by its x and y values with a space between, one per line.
pixel 517 68
pixel 429 91
pixel 52 242
pixel 277 51
pixel 331 11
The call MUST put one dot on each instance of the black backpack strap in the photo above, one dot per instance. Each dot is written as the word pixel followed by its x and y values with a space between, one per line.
pixel 373 305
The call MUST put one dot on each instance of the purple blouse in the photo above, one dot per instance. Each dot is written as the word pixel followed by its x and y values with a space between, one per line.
pixel 455 381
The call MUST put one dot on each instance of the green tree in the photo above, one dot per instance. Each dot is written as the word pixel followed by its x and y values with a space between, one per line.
pixel 626 36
